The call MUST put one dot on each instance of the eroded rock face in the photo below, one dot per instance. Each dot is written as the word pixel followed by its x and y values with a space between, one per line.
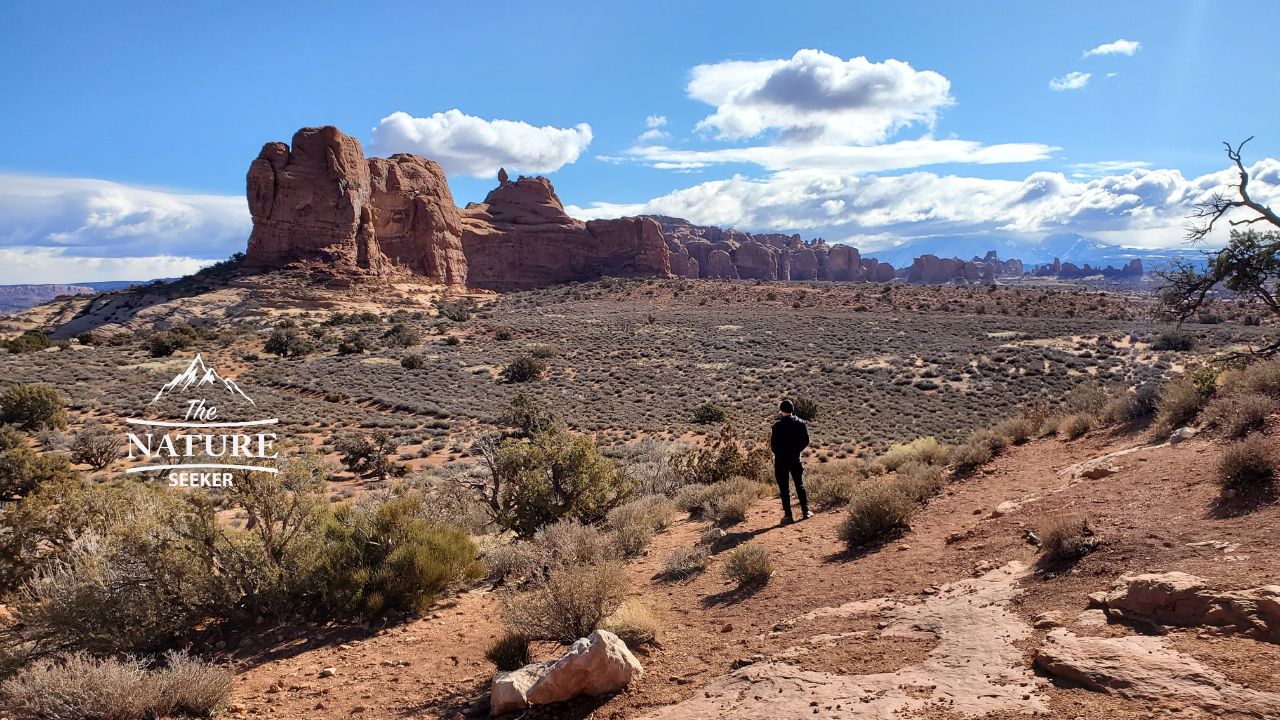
pixel 1179 599
pixel 598 664
pixel 521 237
pixel 1144 668
pixel 320 200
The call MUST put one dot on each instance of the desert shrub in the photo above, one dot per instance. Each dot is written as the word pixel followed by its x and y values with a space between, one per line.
pixel 748 565
pixel 920 481
pixel 1049 426
pixel 455 311
pixel 96 446
pixel 570 604
pixel 970 456
pixel 805 408
pixel 1088 398
pixel 368 454
pixel 527 415
pixel 833 485
pixel 384 557
pixel 81 687
pixel 452 340
pixel 726 455
pixel 728 501
pixel 1261 378
pixel 925 449
pixel 509 652
pixel 685 562
pixel 545 351
pixel 525 368
pixel 635 523
pixel 167 342
pixel 991 439
pixel 692 499
pixel 877 510
pixel 556 475
pixel 22 469
pixel 286 340
pixel 708 413
pixel 634 623
pixel 1173 340
pixel 355 343
pixel 568 542
pixel 32 407
pixel 1133 407
pixel 1181 399
pixel 29 341
pixel 1239 414
pixel 402 335
pixel 512 563
pixel 1065 539
pixel 413 361
pixel 503 334
pixel 1074 426
pixel 1247 466
pixel 1016 430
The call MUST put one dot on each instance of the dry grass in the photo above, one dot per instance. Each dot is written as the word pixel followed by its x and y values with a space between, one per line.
pixel 80 687
pixel 926 449
pixel 570 604
pixel 685 562
pixel 634 623
pixel 748 565
pixel 1248 466
pixel 878 510
pixel 509 652
pixel 1065 539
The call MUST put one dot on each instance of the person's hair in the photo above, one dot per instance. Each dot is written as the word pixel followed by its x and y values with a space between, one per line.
pixel 786 406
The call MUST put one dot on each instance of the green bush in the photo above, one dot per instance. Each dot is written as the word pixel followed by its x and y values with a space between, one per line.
pixel 876 511
pixel 556 475
pixel 748 565
pixel 385 557
pixel 29 341
pixel 22 469
pixel 509 652
pixel 527 415
pixel 925 449
pixel 457 312
pixel 369 455
pixel 1133 407
pixel 167 342
pixel 571 603
pixel 708 413
pixel 525 368
pixel 413 361
pixel 1174 340
pixel 724 456
pixel 402 335
pixel 355 343
pixel 33 407
pixel 287 341
pixel 1017 430
pixel 1248 466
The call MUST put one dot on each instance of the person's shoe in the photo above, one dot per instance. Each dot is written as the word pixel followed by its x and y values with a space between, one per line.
pixel 806 515
pixel 787 520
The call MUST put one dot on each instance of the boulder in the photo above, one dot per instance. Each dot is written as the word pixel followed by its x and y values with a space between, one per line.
pixel 598 664
pixel 1179 599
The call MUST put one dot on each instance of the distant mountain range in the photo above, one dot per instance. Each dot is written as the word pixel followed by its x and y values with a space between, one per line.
pixel 14 298
pixel 1067 247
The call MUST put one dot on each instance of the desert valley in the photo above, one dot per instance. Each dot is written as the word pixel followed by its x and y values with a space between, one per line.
pixel 327 441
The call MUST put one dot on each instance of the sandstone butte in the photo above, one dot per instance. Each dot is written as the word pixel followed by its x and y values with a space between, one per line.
pixel 321 202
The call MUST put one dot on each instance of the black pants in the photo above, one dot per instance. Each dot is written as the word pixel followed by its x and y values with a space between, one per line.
pixel 782 467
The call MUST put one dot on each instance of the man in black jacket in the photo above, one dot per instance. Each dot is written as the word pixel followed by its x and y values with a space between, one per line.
pixel 789 438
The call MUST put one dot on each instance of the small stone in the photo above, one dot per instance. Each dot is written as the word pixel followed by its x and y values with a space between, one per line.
pixel 328 672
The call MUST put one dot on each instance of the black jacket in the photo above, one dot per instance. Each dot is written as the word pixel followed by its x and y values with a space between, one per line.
pixel 790 436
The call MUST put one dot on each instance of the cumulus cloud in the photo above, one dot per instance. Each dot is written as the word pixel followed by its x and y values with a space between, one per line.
pixel 1143 205
pixel 1073 80
pixel 1118 47
pixel 653 129
pixel 35 265
pixel 82 217
pixel 817 97
pixel 655 121
pixel 472 146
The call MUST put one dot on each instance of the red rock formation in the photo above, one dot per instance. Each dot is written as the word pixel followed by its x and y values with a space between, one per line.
pixel 321 200
pixel 720 265
pixel 520 237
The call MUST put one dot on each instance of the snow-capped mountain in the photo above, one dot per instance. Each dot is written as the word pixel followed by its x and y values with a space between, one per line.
pixel 1067 247
pixel 198 374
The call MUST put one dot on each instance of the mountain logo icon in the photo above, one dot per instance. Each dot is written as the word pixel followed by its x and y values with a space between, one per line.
pixel 197 375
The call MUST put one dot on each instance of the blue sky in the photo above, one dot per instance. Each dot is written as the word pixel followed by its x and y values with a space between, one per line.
pixel 129 128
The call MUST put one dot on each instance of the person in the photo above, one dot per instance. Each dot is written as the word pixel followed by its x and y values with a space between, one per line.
pixel 790 436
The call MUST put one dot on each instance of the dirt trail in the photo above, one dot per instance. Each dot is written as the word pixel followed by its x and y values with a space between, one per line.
pixel 903 619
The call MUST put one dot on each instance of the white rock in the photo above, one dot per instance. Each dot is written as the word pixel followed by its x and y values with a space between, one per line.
pixel 510 690
pixel 1182 434
pixel 598 664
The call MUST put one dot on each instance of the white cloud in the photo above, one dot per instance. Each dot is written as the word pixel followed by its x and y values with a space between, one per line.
pixel 1073 80
pixel 655 121
pixel 904 154
pixel 1118 47
pixel 24 265
pixel 475 147
pixel 817 97
pixel 88 218
pixel 1149 206
pixel 1105 167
